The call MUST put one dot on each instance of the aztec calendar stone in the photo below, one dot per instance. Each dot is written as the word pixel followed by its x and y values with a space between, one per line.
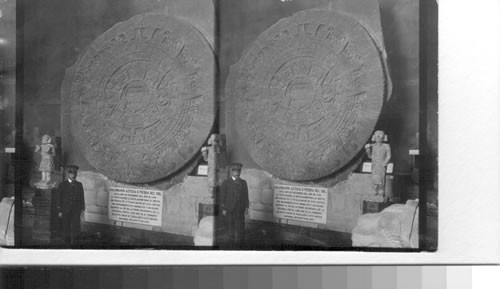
pixel 142 98
pixel 307 94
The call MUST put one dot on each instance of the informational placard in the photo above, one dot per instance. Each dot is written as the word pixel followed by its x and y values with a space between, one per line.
pixel 135 206
pixel 202 170
pixel 367 168
pixel 300 203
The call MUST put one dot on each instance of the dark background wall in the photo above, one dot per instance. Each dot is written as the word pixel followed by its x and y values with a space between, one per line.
pixel 57 31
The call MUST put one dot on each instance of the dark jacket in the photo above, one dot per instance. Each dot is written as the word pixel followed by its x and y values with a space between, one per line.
pixel 71 197
pixel 234 196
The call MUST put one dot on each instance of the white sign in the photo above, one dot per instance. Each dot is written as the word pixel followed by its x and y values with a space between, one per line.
pixel 367 168
pixel 300 203
pixel 202 170
pixel 414 152
pixel 135 206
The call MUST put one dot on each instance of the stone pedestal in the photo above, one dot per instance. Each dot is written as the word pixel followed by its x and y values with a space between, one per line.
pixel 206 210
pixel 42 201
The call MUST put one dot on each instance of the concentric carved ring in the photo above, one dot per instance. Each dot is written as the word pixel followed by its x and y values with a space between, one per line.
pixel 142 98
pixel 307 94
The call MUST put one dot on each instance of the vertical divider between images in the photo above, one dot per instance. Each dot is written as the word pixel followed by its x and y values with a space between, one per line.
pixel 19 122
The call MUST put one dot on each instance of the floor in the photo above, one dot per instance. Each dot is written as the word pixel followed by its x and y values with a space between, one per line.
pixel 272 236
pixel 259 236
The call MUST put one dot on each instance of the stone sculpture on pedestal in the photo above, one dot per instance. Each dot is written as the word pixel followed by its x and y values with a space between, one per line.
pixel 42 199
pixel 46 166
pixel 380 154
pixel 214 155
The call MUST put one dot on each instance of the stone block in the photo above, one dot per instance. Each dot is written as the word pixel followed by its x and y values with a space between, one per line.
pixel 176 211
pixel 360 184
pixel 302 224
pixel 262 216
pixel 102 199
pixel 196 186
pixel 261 207
pixel 96 209
pixel 7 222
pixel 204 235
pixel 260 185
pixel 95 187
pixel 180 202
pixel 99 218
pixel 137 226
pixel 345 199
pixel 267 196
pixel 338 224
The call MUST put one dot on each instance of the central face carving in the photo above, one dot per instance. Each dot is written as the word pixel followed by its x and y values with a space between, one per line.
pixel 301 94
pixel 136 96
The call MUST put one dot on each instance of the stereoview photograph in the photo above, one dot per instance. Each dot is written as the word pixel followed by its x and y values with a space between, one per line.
pixel 223 125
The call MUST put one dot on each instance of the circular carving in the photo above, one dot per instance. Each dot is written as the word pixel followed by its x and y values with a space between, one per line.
pixel 307 94
pixel 142 98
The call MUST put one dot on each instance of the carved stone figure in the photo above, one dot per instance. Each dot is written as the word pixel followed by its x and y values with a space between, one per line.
pixel 142 98
pixel 204 235
pixel 394 227
pixel 216 160
pixel 307 94
pixel 380 154
pixel 47 152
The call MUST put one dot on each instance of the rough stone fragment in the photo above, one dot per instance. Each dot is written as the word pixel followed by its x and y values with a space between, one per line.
pixel 7 222
pixel 307 94
pixel 204 235
pixel 394 227
pixel 142 98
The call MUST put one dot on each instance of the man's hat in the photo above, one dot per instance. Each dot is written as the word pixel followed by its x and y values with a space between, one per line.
pixel 71 168
pixel 236 166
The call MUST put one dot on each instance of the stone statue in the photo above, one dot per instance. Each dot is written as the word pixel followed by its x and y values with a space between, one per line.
pixel 380 154
pixel 395 227
pixel 47 151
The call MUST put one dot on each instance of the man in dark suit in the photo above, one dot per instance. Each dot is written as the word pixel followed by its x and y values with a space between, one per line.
pixel 234 194
pixel 71 206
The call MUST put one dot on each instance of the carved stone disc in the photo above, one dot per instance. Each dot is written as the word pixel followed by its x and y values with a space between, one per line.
pixel 307 94
pixel 143 98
